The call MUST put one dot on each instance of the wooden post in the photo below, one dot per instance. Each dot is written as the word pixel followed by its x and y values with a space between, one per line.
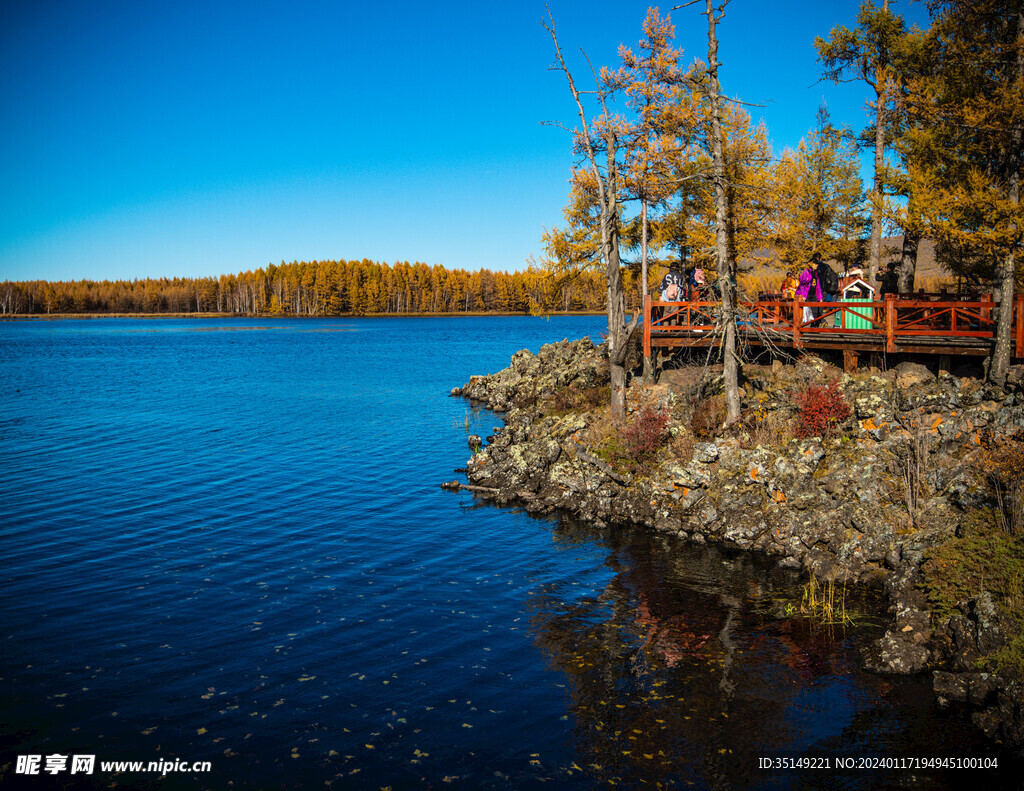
pixel 647 325
pixel 945 362
pixel 797 318
pixel 850 361
pixel 890 323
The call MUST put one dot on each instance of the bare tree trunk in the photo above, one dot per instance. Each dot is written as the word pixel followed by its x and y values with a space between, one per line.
pixel 726 275
pixel 608 197
pixel 1000 362
pixel 618 333
pixel 648 361
pixel 908 260
pixel 643 247
pixel 875 245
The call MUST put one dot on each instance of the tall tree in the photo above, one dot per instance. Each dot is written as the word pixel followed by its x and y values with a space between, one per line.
pixel 969 142
pixel 819 197
pixel 748 158
pixel 866 53
pixel 726 264
pixel 648 81
pixel 600 182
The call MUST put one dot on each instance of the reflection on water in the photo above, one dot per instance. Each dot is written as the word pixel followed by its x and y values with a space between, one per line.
pixel 686 670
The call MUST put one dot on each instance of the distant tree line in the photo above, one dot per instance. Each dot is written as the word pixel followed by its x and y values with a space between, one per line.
pixel 317 288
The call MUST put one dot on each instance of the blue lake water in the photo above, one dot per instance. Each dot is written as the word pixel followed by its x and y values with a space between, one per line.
pixel 225 541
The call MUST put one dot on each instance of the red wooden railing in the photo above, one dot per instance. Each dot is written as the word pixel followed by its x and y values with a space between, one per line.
pixel 888 322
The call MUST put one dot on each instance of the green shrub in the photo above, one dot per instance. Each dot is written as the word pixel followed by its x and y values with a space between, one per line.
pixel 983 558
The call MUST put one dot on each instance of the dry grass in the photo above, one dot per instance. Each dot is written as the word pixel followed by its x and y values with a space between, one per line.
pixel 770 430
pixel 709 416
pixel 682 446
pixel 935 283
pixel 825 603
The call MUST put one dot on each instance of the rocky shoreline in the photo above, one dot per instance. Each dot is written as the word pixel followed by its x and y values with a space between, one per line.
pixel 899 479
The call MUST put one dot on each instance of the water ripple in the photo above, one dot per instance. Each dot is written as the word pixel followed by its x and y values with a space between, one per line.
pixel 231 546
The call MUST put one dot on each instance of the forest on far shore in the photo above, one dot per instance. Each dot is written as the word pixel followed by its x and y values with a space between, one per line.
pixel 317 288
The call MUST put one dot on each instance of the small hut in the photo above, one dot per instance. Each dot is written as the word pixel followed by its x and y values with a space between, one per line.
pixel 853 288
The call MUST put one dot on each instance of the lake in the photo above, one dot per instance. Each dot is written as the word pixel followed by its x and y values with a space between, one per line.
pixel 225 541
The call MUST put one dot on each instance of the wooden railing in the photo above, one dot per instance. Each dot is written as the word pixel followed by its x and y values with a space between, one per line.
pixel 936 318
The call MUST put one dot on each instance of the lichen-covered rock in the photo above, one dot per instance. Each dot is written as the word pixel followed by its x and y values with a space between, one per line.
pixel 897 655
pixel 530 377
pixel 909 374
pixel 706 452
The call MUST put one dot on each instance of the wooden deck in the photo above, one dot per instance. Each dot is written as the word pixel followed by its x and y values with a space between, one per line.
pixel 925 324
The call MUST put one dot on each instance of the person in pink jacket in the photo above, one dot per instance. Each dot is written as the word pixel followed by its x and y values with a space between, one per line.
pixel 810 290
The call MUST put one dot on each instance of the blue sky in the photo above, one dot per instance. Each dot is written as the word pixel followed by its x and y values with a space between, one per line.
pixel 160 139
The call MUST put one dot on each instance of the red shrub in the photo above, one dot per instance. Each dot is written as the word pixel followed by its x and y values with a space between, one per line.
pixel 646 433
pixel 822 409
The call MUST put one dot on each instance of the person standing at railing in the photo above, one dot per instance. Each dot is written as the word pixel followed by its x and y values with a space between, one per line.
pixel 789 285
pixel 827 279
pixel 696 283
pixel 809 290
pixel 672 284
pixel 889 279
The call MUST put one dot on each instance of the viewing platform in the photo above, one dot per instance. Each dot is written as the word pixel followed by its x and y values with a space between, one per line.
pixel 932 324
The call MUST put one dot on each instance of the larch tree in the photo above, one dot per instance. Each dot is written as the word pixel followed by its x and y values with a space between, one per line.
pixel 968 142
pixel 866 54
pixel 598 190
pixel 648 81
pixel 658 137
pixel 819 197
pixel 748 156
pixel 725 264
pixel 905 212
